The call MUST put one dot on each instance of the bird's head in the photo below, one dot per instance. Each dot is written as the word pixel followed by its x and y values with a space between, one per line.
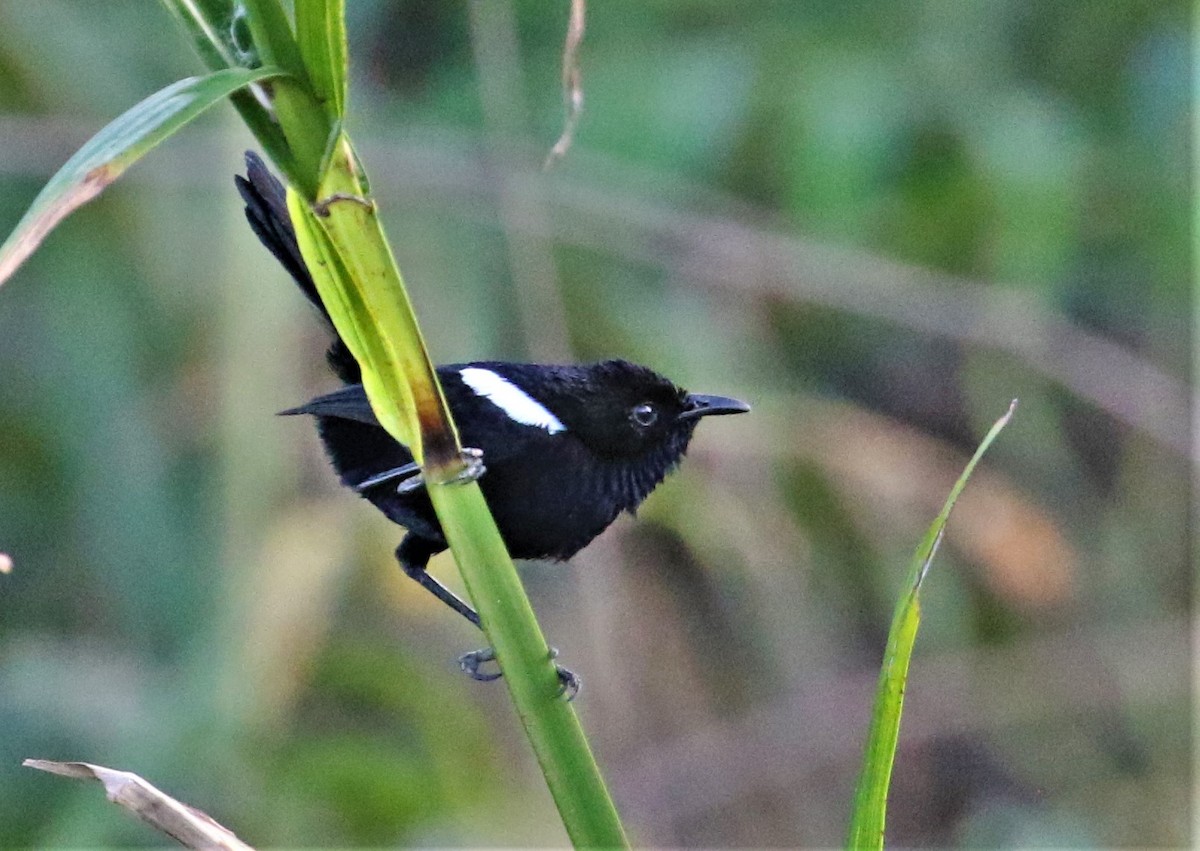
pixel 621 410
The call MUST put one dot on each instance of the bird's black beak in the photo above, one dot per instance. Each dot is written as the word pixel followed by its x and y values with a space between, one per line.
pixel 698 405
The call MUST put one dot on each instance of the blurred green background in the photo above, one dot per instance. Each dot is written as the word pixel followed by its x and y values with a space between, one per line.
pixel 878 222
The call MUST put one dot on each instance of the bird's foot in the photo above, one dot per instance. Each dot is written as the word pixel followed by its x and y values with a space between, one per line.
pixel 472 468
pixel 321 208
pixel 411 479
pixel 569 683
pixel 471 662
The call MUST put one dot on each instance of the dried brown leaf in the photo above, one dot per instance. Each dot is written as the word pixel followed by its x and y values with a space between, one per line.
pixel 187 826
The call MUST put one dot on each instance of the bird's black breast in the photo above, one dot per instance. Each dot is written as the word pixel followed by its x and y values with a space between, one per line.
pixel 548 504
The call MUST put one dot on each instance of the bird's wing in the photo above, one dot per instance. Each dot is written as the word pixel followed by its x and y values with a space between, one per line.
pixel 481 425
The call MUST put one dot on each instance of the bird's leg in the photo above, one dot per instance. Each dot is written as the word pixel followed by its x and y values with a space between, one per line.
pixel 405 473
pixel 414 554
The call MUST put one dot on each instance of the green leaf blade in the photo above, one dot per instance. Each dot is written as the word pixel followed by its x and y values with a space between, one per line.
pixel 107 155
pixel 868 820
pixel 360 285
pixel 273 37
pixel 321 34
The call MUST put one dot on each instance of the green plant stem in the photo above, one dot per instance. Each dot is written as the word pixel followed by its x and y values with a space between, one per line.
pixel 551 724
pixel 362 289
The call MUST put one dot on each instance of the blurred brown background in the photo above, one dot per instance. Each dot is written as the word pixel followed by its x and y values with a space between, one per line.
pixel 878 222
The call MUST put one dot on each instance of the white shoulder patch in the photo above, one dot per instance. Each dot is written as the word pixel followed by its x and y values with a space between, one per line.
pixel 508 397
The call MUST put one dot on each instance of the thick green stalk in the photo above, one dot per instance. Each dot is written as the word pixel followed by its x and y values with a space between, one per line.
pixel 361 286
pixel 553 728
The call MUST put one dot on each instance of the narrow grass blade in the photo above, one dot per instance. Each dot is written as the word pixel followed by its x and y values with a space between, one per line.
pixel 870 798
pixel 321 34
pixel 211 25
pixel 572 83
pixel 273 37
pixel 116 147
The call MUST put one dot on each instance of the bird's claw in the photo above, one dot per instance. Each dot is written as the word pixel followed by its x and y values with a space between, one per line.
pixel 473 468
pixel 569 683
pixel 471 662
pixel 410 485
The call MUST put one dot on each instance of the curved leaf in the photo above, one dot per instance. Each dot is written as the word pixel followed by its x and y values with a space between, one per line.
pixel 106 155
pixel 870 798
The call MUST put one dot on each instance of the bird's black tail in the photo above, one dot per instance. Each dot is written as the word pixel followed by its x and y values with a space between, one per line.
pixel 267 213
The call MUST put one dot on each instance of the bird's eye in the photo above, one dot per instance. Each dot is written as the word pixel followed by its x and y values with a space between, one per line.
pixel 644 415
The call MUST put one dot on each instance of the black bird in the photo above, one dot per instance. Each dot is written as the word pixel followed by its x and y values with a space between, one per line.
pixel 566 448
